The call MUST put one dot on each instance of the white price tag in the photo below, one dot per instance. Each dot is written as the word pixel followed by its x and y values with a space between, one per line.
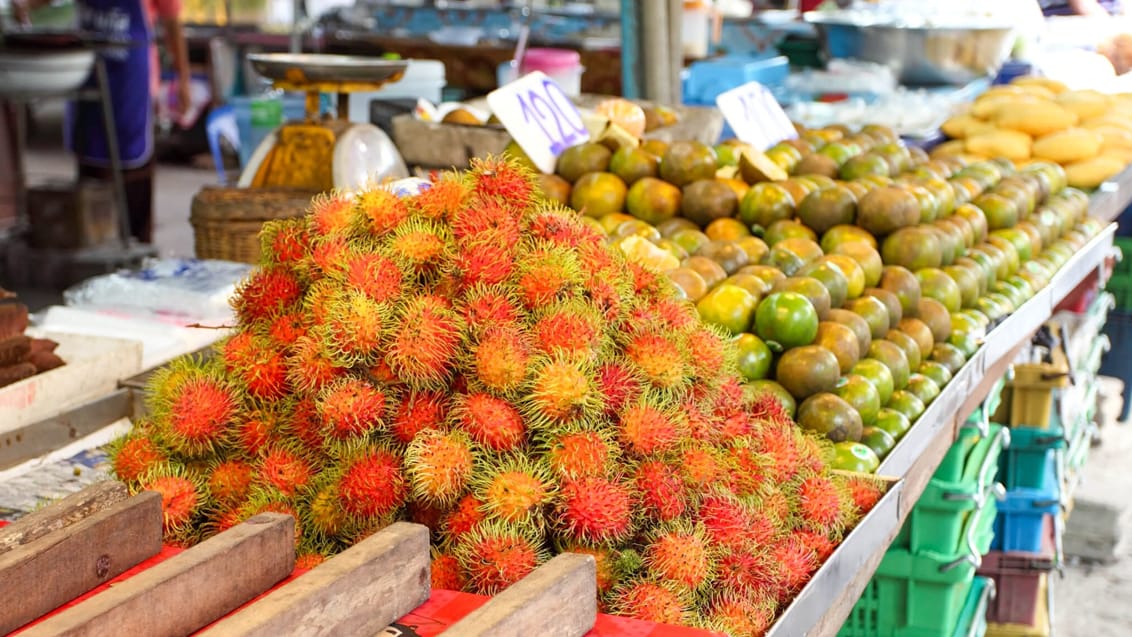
pixel 540 117
pixel 755 116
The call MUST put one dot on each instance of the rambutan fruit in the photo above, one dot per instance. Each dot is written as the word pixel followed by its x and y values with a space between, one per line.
pixel 743 572
pixel 773 515
pixel 266 293
pixel 426 514
pixel 560 390
pixel 230 481
pixel 309 368
pixel 821 505
pixel 194 407
pixel 765 407
pixel 659 357
pixel 651 601
pixel 464 517
pixel 425 339
pixel 307 561
pixel 267 500
pixel 448 195
pixel 607 298
pixel 595 509
pixel 747 467
pixel 354 326
pixel 864 492
pixel 285 242
pixel 264 375
pixel 438 465
pixel 379 211
pixel 817 542
pixel 663 495
pixel 680 554
pixel 709 355
pixel 285 470
pixel 605 562
pixel 646 429
pixel 322 511
pixel 515 490
pixel 286 329
pixel 570 329
pixel 374 275
pixel 417 412
pixel 580 453
pixel 485 307
pixel 331 214
pixel 648 283
pixel 485 258
pixel 484 215
pixel 306 425
pixel 420 244
pixel 727 519
pixel 371 482
pixel 496 555
pixel 702 426
pixel 619 384
pixel 133 455
pixel 328 256
pixel 700 465
pixel 182 495
pixel 492 422
pixel 503 180
pixel 777 443
pixel 559 227
pixel 445 572
pixel 255 429
pixel 547 274
pixel 742 615
pixel 798 562
pixel 502 358
pixel 351 407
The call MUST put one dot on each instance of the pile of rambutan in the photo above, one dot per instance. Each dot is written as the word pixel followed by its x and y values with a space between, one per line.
pixel 478 360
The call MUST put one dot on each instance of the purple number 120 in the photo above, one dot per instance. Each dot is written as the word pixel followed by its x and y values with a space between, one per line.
pixel 538 107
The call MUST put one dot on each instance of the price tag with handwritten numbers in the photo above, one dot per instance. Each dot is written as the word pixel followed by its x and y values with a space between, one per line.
pixel 755 116
pixel 540 117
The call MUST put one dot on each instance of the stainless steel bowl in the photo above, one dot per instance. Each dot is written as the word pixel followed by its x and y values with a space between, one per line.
pixel 919 54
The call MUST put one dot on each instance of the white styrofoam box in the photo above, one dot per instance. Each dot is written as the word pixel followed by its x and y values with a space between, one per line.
pixel 94 365
pixel 423 79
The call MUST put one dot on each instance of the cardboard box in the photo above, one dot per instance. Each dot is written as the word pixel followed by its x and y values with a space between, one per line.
pixel 94 365
pixel 69 215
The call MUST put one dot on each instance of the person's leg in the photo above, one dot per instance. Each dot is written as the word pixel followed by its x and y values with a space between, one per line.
pixel 139 195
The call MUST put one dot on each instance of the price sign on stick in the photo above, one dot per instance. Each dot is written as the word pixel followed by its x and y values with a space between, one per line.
pixel 755 116
pixel 540 117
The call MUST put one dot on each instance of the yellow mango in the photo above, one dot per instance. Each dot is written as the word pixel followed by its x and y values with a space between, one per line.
pixel 1037 90
pixel 1114 137
pixel 1113 120
pixel 1035 118
pixel 962 126
pixel 1122 155
pixel 949 148
pixel 1010 144
pixel 1085 104
pixel 1054 86
pixel 1091 173
pixel 988 107
pixel 1068 146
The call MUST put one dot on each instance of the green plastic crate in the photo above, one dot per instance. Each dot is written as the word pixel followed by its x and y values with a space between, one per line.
pixel 1124 266
pixel 984 413
pixel 922 595
pixel 973 619
pixel 938 520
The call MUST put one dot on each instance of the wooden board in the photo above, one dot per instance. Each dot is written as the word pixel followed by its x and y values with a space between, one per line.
pixel 357 592
pixel 189 590
pixel 559 599
pixel 40 438
pixel 66 563
pixel 70 510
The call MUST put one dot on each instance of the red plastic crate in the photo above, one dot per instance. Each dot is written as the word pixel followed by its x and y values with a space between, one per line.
pixel 1017 577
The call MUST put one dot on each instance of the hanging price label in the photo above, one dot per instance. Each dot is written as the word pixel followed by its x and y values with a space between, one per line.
pixel 540 117
pixel 755 116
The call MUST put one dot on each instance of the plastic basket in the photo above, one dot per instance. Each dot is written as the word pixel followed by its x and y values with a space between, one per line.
pixel 1020 516
pixel 1041 625
pixel 973 619
pixel 938 521
pixel 921 595
pixel 1017 578
pixel 1025 464
pixel 1032 391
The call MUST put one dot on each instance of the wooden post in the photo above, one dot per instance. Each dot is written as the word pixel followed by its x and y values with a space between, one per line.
pixel 40 576
pixel 358 592
pixel 559 599
pixel 189 590
pixel 71 509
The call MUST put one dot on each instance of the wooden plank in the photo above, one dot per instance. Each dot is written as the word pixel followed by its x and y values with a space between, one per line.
pixel 68 562
pixel 559 599
pixel 358 592
pixel 62 514
pixel 189 590
pixel 39 438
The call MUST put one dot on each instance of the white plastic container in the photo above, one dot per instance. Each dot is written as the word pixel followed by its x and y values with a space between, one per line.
pixel 697 28
pixel 561 65
pixel 423 79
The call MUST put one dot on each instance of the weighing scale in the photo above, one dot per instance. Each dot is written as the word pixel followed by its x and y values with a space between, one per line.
pixel 323 153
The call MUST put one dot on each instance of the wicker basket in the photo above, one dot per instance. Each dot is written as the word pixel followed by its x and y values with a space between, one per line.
pixel 226 221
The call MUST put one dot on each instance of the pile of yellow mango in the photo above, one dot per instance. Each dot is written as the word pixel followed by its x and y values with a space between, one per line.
pixel 1035 118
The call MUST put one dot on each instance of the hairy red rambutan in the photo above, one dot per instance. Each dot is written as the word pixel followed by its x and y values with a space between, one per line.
pixel 547 274
pixel 503 180
pixel 742 615
pixel 485 258
pixel 707 354
pixel 323 511
pixel 181 495
pixel 864 492
pixel 374 275
pixel 445 572
pixel 514 491
pixel 426 338
pixel 264 500
pixel 482 215
pixel 700 465
pixel 604 561
pixel 798 562
pixel 286 329
pixel 438 465
pixel 650 601
pixel 255 429
pixel 702 426
pixel 330 214
pixel 447 195
pixel 495 556
pixel 265 375
pixel 353 329
pixel 230 481
pixel 595 509
pixel 285 470
pixel 502 357
pixel 420 244
pixel 132 456
pixel 379 211
pixel 747 468
pixel 765 407
pixel 730 398
pixel 568 329
pixel 726 519
pixel 464 517
pixel 491 422
pixel 820 505
pixel 618 385
pixel 744 572
pixel 417 412
pixel 776 442
pixel 679 554
pixel 199 415
pixel 659 358
pixel 813 452
pixel 328 255
pixel 606 298
pixel 285 242
pixel 307 561
pixel 646 430
pixel 579 454
pixel 816 541
pixel 663 494
pixel 372 483
pixel 351 407
pixel 265 293
pixel 309 368
pixel 306 424
pixel 560 227
pixel 560 390
pixel 648 283
pixel 484 307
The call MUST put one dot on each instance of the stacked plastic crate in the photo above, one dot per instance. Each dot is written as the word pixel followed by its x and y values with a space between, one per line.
pixel 926 584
